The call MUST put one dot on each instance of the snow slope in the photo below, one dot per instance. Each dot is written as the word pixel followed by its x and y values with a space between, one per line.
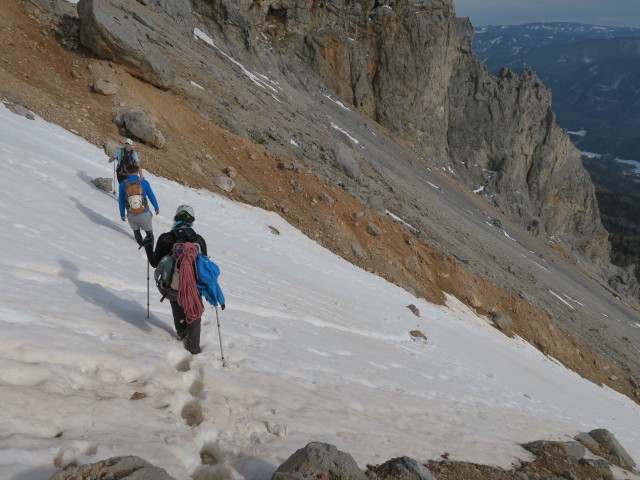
pixel 317 349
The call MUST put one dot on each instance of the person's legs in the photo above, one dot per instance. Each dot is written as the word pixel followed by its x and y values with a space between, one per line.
pixel 193 337
pixel 146 224
pixel 189 333
pixel 149 238
pixel 138 236
pixel 141 221
pixel 179 319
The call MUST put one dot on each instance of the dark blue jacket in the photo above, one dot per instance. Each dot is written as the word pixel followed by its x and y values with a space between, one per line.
pixel 147 193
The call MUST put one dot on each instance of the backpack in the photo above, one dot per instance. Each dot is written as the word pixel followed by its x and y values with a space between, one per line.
pixel 126 160
pixel 208 273
pixel 164 272
pixel 136 200
pixel 166 275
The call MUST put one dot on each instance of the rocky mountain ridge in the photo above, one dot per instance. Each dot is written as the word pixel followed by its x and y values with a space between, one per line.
pixel 591 70
pixel 593 73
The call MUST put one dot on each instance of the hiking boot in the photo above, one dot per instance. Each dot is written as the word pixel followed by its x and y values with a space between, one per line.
pixel 192 350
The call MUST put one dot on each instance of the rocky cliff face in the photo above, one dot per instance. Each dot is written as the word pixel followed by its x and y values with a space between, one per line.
pixel 409 65
pixel 503 136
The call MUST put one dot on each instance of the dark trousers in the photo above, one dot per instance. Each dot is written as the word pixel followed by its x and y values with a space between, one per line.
pixel 190 332
pixel 138 236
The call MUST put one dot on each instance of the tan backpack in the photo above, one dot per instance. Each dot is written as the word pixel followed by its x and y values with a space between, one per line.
pixel 136 201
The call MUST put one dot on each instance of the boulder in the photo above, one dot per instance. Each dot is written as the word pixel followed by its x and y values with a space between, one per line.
pixel 503 322
pixel 123 32
pixel 320 460
pixel 110 147
pixel 575 450
pixel 250 195
pixel 105 87
pixel 344 161
pixel 115 468
pixel 20 110
pixel 224 183
pixel 357 250
pixel 374 230
pixel 586 440
pixel 376 202
pixel 231 172
pixel 609 446
pixel 103 183
pixel 325 198
pixel 404 468
pixel 140 124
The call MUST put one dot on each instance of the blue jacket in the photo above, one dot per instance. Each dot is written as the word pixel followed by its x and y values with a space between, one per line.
pixel 208 273
pixel 118 156
pixel 147 193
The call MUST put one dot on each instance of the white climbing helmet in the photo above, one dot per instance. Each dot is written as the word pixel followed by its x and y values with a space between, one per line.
pixel 188 209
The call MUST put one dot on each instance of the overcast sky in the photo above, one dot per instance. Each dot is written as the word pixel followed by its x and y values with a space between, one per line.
pixel 623 13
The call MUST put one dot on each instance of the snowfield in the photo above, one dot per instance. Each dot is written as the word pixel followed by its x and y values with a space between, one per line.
pixel 317 349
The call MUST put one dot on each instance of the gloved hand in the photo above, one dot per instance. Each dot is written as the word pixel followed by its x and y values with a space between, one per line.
pixel 222 306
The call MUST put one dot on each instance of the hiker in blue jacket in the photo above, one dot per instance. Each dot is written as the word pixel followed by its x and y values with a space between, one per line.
pixel 125 156
pixel 133 196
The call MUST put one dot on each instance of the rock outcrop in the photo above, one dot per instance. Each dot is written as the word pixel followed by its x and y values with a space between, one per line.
pixel 409 65
pixel 116 468
pixel 140 124
pixel 320 460
pixel 132 35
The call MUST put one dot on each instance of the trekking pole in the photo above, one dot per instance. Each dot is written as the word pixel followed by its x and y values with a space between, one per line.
pixel 147 288
pixel 114 178
pixel 224 363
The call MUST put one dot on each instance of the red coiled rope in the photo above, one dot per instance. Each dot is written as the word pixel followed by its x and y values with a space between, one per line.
pixel 188 294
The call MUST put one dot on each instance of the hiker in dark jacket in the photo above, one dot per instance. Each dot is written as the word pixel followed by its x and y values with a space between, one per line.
pixel 181 232
pixel 139 218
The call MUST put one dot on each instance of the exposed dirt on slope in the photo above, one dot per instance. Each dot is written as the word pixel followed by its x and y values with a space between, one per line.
pixel 37 72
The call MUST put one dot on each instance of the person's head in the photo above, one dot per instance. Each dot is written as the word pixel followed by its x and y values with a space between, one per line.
pixel 184 214
pixel 128 144
pixel 133 169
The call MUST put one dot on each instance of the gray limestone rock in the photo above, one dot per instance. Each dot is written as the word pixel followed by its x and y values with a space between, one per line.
pixel 404 468
pixel 115 468
pixel 503 322
pixel 224 183
pixel 325 198
pixel 140 124
pixel 103 183
pixel 110 147
pixel 609 445
pixel 357 250
pixel 105 87
pixel 125 33
pixel 21 110
pixel 575 450
pixel 588 441
pixel 320 460
pixel 345 162
pixel 374 229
